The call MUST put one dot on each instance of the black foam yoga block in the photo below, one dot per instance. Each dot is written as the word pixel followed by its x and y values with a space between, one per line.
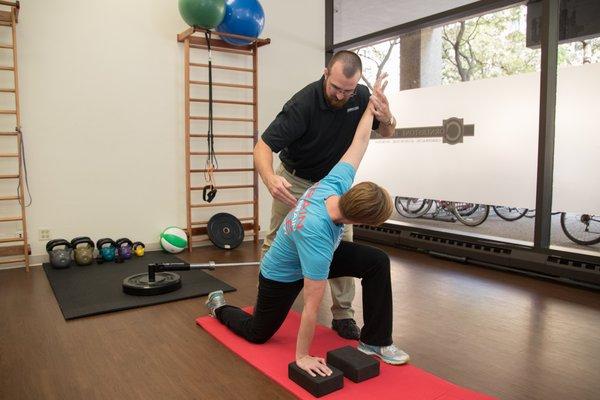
pixel 356 365
pixel 319 385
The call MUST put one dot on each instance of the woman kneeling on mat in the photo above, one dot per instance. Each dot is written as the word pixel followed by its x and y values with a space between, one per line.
pixel 308 250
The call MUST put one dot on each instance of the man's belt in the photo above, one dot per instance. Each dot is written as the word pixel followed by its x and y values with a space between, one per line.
pixel 298 174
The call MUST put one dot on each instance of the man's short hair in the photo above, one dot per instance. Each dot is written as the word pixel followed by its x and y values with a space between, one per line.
pixel 350 61
pixel 367 203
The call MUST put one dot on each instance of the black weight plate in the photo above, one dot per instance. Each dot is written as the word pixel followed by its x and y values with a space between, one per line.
pixel 225 231
pixel 139 284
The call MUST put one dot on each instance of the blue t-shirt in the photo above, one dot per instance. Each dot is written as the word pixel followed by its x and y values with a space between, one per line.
pixel 307 238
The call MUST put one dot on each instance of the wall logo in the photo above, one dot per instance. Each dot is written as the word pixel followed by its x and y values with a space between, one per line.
pixel 452 131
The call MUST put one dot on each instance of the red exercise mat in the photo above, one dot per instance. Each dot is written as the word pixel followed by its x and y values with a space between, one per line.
pixel 404 382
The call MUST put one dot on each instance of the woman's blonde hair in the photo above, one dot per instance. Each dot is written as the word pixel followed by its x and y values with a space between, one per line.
pixel 367 203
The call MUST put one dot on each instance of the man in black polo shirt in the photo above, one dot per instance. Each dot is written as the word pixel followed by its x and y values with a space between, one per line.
pixel 311 133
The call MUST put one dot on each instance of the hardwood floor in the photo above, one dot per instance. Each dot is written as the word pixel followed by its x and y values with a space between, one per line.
pixel 503 334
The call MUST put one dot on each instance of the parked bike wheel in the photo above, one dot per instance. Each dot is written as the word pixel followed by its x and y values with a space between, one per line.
pixel 531 213
pixel 465 209
pixel 510 213
pixel 477 217
pixel 411 207
pixel 582 229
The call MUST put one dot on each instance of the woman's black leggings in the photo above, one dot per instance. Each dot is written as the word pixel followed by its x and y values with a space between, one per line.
pixel 275 299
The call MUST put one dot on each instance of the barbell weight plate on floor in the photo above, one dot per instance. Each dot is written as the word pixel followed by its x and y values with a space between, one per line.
pixel 140 285
pixel 166 281
pixel 225 231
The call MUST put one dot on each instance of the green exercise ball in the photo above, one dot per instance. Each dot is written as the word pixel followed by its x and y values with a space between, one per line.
pixel 206 14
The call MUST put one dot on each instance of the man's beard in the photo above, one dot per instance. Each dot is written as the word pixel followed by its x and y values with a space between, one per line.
pixel 334 102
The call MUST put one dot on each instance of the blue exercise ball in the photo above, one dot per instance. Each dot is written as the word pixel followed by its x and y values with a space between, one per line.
pixel 242 17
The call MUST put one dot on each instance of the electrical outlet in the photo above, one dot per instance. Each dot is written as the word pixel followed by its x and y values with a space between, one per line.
pixel 44 235
pixel 20 234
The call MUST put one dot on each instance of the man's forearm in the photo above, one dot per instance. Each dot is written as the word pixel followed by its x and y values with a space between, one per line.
pixel 263 160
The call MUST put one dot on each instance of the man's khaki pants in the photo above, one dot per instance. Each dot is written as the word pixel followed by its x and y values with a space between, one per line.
pixel 342 289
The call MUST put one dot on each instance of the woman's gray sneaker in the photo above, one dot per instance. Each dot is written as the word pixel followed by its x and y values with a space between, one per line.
pixel 215 300
pixel 389 354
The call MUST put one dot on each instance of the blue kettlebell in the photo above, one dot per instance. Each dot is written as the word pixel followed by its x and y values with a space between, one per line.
pixel 107 249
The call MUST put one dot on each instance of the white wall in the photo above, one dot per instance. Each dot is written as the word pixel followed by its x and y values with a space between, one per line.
pixel 102 109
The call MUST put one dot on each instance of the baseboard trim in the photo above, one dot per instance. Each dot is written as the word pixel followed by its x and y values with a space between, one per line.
pixel 38 259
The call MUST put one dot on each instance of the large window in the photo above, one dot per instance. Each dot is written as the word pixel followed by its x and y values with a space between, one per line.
pixel 478 73
pixel 487 46
pixel 576 195
pixel 485 72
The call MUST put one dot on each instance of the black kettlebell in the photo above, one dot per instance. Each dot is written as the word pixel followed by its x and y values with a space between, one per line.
pixel 59 258
pixel 84 255
pixel 107 249
pixel 125 247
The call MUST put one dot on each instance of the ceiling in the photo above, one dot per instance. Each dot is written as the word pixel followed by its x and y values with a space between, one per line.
pixel 354 18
